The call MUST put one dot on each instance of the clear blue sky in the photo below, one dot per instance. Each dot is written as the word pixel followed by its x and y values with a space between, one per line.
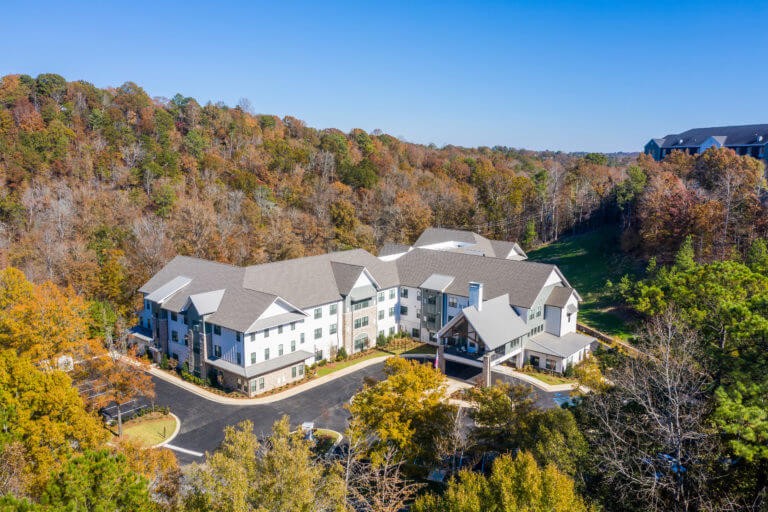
pixel 574 76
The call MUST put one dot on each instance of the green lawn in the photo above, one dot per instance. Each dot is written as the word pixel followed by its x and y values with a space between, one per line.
pixel 334 367
pixel 150 431
pixel 420 349
pixel 588 261
pixel 553 380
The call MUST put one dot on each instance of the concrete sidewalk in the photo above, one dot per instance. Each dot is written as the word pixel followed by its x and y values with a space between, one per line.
pixel 208 395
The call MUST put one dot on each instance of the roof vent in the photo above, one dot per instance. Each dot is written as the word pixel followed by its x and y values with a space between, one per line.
pixel 680 142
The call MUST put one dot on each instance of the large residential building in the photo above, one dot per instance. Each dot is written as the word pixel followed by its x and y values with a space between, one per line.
pixel 255 328
pixel 750 139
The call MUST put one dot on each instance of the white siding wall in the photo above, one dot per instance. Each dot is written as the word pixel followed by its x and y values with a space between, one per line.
pixel 390 302
pixel 257 342
pixel 177 347
pixel 409 321
pixel 230 347
pixel 326 340
pixel 567 325
pixel 552 319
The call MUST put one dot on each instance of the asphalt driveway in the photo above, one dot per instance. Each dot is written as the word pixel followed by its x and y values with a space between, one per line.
pixel 203 421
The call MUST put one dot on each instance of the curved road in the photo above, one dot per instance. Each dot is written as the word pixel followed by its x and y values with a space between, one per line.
pixel 203 420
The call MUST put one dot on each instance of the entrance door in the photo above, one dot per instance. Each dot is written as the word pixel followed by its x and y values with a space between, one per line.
pixel 361 341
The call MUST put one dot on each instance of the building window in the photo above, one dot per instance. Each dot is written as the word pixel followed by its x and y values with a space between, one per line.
pixel 253 357
pixel 293 372
pixel 318 355
pixel 174 316
pixel 266 333
pixel 392 311
pixel 253 386
pixel 261 382
pixel 403 310
pixel 381 315
pixel 279 329
pixel 452 302
pixel 301 369
pixel 531 314
pixel 301 338
pixel 551 364
pixel 266 354
pixel 381 296
pixel 538 311
pixel 450 317
pixel 414 333
pixel 356 306
pixel 404 293
pixel 318 313
pixel 332 329
pixel 332 309
pixel 217 350
pixel 391 330
pixel 237 336
pixel 361 322
pixel 293 326
pixel 318 333
pixel 392 293
pixel 175 336
pixel 217 330
pixel 280 349
pixel 239 360
pixel 293 345
pixel 381 332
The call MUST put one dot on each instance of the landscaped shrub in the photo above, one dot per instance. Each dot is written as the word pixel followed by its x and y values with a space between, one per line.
pixel 321 362
pixel 342 354
pixel 164 362
pixel 382 341
pixel 568 371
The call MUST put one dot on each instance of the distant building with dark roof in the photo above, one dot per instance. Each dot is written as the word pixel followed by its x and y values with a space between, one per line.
pixel 748 139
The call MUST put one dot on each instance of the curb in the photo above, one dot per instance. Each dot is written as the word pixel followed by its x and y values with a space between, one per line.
pixel 175 432
pixel 550 388
pixel 267 399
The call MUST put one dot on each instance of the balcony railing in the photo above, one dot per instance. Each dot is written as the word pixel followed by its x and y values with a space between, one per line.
pixel 477 355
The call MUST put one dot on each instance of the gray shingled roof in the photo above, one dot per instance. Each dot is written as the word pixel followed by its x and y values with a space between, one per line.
pixel 311 281
pixel 734 136
pixel 559 296
pixel 478 244
pixel 522 280
pixel 262 368
pixel 560 346
pixel 239 307
pixel 389 248
pixel 496 323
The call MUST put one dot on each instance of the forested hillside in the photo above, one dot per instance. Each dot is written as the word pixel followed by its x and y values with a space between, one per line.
pixel 102 186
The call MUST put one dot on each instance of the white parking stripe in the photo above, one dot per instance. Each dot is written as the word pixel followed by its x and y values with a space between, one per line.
pixel 182 450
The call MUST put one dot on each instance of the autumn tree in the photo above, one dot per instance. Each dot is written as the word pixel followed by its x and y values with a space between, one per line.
pixel 515 484
pixel 280 474
pixel 407 411
pixel 44 419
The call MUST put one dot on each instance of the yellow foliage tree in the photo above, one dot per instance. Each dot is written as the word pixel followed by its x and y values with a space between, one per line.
pixel 44 412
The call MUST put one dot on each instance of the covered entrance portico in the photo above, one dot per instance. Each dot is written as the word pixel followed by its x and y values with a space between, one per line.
pixel 483 336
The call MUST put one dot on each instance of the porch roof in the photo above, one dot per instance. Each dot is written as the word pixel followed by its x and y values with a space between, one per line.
pixel 495 323
pixel 559 346
pixel 262 368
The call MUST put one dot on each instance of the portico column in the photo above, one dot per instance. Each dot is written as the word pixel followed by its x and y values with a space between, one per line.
pixel 441 358
pixel 487 370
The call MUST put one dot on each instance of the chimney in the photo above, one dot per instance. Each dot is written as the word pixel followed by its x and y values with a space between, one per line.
pixel 476 295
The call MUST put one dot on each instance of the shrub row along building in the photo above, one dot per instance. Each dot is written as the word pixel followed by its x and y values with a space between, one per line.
pixel 255 328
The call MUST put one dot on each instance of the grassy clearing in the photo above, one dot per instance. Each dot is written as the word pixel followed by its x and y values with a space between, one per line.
pixel 325 439
pixel 151 429
pixel 588 262
pixel 334 367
